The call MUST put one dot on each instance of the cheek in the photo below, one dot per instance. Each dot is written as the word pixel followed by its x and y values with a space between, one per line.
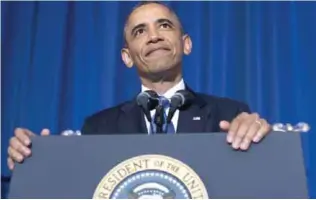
pixel 176 42
pixel 136 48
pixel 179 47
pixel 134 53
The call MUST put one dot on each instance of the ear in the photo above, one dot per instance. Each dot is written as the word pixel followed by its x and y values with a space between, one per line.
pixel 126 57
pixel 187 44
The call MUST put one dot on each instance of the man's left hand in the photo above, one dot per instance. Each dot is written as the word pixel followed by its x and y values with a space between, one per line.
pixel 244 129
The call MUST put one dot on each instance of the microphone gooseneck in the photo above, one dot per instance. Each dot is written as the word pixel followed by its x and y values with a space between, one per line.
pixel 147 100
pixel 159 119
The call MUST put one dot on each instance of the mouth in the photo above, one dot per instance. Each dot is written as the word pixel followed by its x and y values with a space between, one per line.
pixel 159 50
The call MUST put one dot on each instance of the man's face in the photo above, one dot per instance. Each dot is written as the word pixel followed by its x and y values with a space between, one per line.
pixel 154 40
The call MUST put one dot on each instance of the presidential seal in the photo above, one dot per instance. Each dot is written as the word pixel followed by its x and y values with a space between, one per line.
pixel 151 177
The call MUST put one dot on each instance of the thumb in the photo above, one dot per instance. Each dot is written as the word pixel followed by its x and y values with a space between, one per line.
pixel 45 132
pixel 224 125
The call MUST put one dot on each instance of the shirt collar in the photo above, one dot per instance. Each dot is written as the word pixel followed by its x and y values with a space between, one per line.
pixel 169 93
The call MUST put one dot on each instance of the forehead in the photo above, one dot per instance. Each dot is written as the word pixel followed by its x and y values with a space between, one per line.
pixel 149 14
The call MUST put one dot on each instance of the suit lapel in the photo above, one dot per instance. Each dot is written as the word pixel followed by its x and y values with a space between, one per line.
pixel 131 119
pixel 197 117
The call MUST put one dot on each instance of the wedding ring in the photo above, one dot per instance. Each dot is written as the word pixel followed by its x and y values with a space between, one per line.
pixel 258 122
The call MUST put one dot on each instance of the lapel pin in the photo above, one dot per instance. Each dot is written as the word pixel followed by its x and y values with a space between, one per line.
pixel 196 118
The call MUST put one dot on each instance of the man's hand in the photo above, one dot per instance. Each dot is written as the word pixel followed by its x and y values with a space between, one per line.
pixel 244 129
pixel 19 149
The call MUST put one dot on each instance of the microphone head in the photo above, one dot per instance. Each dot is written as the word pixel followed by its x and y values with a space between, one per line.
pixel 148 98
pixel 182 98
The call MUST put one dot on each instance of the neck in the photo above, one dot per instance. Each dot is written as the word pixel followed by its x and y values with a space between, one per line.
pixel 163 85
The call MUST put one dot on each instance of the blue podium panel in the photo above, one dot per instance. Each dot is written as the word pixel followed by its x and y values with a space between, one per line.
pixel 168 166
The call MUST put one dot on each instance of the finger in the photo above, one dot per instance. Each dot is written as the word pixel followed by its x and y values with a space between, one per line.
pixel 45 132
pixel 252 131
pixel 224 125
pixel 234 126
pixel 15 155
pixel 263 131
pixel 23 135
pixel 243 128
pixel 10 163
pixel 19 146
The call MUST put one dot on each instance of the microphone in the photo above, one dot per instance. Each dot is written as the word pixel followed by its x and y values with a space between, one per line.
pixel 179 99
pixel 159 119
pixel 147 100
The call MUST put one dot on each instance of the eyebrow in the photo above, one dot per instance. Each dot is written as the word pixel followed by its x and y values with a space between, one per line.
pixel 165 21
pixel 142 25
pixel 137 27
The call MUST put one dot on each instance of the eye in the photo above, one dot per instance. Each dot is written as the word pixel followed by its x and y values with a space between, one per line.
pixel 139 31
pixel 165 25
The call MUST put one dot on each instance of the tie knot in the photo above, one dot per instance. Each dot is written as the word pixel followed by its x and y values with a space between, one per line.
pixel 164 101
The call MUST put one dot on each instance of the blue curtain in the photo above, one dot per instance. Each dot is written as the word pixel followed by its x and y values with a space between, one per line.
pixel 61 62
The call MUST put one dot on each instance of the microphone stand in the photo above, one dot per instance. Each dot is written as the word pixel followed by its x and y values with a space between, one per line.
pixel 159 118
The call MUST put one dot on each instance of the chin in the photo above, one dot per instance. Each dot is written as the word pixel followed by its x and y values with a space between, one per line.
pixel 160 72
pixel 160 67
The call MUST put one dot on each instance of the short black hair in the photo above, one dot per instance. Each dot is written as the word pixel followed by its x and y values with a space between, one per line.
pixel 143 3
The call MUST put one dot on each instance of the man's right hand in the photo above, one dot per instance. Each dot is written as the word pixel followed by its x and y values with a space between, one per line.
pixel 19 147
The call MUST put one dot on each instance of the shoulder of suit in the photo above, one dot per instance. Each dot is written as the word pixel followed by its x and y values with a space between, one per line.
pixel 107 112
pixel 222 101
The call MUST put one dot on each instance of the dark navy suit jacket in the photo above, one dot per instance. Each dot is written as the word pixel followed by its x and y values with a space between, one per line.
pixel 127 118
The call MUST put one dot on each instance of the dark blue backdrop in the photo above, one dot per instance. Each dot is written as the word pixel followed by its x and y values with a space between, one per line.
pixel 61 61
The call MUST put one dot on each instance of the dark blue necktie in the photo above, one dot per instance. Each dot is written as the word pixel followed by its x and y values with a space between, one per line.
pixel 165 103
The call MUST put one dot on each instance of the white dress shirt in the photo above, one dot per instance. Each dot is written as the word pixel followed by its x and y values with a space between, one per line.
pixel 168 95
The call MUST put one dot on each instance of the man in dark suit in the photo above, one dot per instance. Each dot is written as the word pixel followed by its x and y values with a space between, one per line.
pixel 155 43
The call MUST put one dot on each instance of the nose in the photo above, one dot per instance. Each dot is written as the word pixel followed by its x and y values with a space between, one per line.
pixel 154 39
pixel 154 36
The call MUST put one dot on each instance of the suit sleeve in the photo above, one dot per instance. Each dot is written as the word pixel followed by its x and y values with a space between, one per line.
pixel 237 109
pixel 243 108
pixel 88 127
